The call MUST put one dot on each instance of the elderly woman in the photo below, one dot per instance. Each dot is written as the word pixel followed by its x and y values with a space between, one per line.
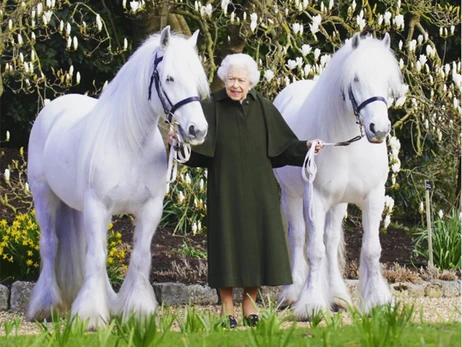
pixel 247 138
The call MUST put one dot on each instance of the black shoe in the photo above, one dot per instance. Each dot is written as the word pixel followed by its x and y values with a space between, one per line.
pixel 230 323
pixel 251 320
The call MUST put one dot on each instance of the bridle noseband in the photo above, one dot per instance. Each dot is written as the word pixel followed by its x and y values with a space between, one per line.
pixel 169 107
pixel 356 110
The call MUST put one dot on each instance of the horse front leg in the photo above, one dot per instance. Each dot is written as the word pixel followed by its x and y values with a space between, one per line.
pixel 92 302
pixel 46 294
pixel 338 291
pixel 314 298
pixel 373 286
pixel 137 295
pixel 293 210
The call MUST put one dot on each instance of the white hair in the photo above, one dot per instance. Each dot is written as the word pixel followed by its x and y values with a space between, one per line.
pixel 239 60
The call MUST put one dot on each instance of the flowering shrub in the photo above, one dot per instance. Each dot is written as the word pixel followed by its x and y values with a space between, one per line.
pixel 19 248
pixel 185 205
pixel 116 257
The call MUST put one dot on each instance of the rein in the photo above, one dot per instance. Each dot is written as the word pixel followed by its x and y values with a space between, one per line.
pixel 309 168
pixel 180 151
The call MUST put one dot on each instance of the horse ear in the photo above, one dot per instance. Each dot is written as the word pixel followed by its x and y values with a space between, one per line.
pixel 193 38
pixel 164 37
pixel 386 40
pixel 355 40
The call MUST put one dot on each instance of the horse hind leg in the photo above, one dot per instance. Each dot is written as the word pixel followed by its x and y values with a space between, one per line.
pixel 136 296
pixel 46 294
pixel 333 239
pixel 373 286
pixel 293 211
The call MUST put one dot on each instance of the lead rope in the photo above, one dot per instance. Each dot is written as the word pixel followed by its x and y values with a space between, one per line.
pixel 309 168
pixel 179 152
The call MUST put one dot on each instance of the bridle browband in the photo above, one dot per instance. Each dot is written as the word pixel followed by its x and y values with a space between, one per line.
pixel 169 107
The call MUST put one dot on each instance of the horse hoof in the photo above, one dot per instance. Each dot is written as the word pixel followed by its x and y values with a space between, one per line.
pixel 337 308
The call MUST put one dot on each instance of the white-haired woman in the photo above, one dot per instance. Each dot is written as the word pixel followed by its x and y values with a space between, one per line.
pixel 247 138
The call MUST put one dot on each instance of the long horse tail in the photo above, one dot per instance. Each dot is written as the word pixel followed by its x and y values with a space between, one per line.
pixel 70 254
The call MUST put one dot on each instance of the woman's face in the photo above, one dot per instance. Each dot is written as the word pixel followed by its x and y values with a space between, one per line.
pixel 237 83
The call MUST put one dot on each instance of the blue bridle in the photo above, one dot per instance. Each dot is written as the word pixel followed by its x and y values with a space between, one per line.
pixel 169 107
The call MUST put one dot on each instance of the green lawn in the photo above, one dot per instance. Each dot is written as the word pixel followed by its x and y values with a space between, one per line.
pixel 448 334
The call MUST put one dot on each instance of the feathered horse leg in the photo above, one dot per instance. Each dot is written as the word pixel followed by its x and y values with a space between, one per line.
pixel 137 295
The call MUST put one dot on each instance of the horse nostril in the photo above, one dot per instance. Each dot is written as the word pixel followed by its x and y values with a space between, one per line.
pixel 192 130
pixel 372 128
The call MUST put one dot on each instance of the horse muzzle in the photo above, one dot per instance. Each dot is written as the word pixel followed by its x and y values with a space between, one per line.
pixel 375 135
pixel 193 134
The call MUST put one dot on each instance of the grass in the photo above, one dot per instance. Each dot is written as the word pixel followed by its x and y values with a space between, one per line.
pixel 385 326
pixel 447 334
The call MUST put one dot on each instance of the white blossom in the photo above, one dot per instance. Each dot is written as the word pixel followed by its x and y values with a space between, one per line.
pixel 21 57
pixel 314 28
pixel 232 17
pixel 124 3
pixel 253 21
pixel 400 44
pixel 69 42
pixel 296 27
pixel 39 8
pixel 224 5
pixel 77 77
pixel 412 45
pixel 291 64
pixel 20 41
pixel 7 136
pixel 68 29
pixel 399 21
pixel 430 51
pixel 194 228
pixel 269 75
pixel 48 15
pixel 386 221
pixel 307 69
pixel 422 59
pixel 380 20
pixel 331 4
pixel 7 175
pixel 317 52
pixel 187 179
pixel 10 24
pixel 396 167
pixel 452 29
pixel 387 17
pixel 181 196
pixel 421 207
pixel 125 44
pixel 419 39
pixel 199 225
pixel 389 203
pixel 201 184
pixel 75 43
pixel 134 5
pixel 440 214
pixel 26 187
pixel 360 20
pixel 306 49
pixel 44 20
pixel 99 23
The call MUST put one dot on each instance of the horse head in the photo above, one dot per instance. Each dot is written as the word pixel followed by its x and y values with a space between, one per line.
pixel 178 80
pixel 371 77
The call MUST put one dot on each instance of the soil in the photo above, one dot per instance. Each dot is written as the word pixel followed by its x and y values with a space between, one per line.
pixel 170 264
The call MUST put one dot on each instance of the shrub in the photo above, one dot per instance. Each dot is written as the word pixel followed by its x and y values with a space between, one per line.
pixel 185 205
pixel 20 257
pixel 19 248
pixel 446 241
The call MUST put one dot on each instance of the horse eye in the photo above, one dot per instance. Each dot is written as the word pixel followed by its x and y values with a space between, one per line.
pixel 170 79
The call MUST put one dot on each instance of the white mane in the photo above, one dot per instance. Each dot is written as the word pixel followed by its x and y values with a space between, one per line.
pixel 123 114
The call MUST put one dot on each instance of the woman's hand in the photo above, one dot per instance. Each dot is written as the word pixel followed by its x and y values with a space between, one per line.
pixel 317 143
pixel 170 137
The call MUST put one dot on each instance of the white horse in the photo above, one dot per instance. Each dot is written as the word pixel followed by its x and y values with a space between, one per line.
pixel 90 159
pixel 358 80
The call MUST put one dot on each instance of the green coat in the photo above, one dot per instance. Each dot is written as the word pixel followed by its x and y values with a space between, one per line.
pixel 246 242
